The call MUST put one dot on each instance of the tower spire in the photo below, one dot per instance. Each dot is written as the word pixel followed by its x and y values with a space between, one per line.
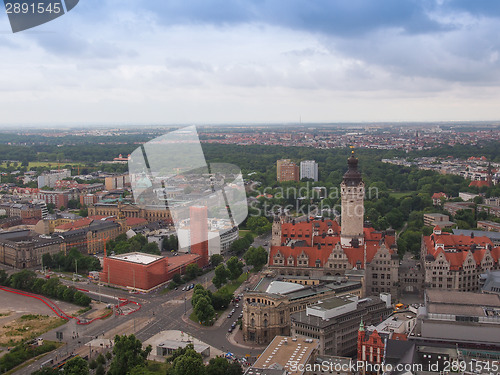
pixel 352 191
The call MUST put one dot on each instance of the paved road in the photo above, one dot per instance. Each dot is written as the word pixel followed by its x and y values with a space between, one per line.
pixel 163 311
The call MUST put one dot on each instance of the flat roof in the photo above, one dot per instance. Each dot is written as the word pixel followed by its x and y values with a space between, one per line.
pixel 140 258
pixel 331 303
pixel 460 303
pixel 456 298
pixel 175 344
pixel 180 260
pixel 286 351
pixel 283 287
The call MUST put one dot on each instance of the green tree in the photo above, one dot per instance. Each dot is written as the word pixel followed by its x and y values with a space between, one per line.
pixel 3 277
pixel 217 366
pixel 188 364
pixel 100 370
pixel 177 278
pixel 46 371
pixel 76 366
pixel 93 364
pixel 47 260
pixel 256 257
pixel 128 353
pixel 235 268
pixel 221 275
pixel 23 280
pixel 192 271
pixel 101 359
pixel 204 310
pixel 216 259
pixel 151 248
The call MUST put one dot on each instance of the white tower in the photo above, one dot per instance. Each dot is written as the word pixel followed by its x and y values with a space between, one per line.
pixel 352 191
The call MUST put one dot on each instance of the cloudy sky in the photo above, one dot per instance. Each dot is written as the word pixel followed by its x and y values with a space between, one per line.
pixel 254 61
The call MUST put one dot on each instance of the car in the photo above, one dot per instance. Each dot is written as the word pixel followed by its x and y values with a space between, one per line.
pixel 240 316
pixel 232 311
pixel 233 326
pixel 176 288
pixel 229 315
pixel 230 329
pixel 237 305
pixel 183 288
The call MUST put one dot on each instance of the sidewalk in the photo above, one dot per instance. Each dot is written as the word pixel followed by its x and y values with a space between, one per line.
pixel 236 338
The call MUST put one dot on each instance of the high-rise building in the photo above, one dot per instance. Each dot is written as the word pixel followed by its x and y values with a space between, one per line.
pixel 287 170
pixel 309 169
pixel 352 191
pixel 198 224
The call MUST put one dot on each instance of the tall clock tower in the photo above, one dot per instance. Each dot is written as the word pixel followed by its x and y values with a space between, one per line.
pixel 352 191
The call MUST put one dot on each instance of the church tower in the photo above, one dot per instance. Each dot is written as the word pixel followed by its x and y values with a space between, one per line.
pixel 352 190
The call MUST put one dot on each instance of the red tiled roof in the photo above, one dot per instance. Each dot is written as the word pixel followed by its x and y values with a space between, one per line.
pixel 461 244
pixel 298 231
pixel 85 222
pixel 479 183
pixel 438 195
pixel 135 221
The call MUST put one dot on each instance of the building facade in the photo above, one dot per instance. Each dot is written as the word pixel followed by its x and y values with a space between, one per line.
pixel 455 262
pixel 352 191
pixel 309 169
pixel 322 247
pixel 150 213
pixel 335 322
pixel 287 170
pixel 24 249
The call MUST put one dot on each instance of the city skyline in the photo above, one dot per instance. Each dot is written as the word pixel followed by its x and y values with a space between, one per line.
pixel 173 63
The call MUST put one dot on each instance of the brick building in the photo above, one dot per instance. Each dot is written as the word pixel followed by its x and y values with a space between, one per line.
pixel 199 232
pixel 455 262
pixel 323 247
pixel 143 271
pixel 136 270
pixel 287 170
pixel 57 197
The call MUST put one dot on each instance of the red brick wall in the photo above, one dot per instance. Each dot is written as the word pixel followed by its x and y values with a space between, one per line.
pixel 123 273
pixel 198 228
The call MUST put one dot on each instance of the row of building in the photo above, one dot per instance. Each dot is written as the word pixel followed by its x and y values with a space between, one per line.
pixel 287 170
pixel 319 249
pixel 343 335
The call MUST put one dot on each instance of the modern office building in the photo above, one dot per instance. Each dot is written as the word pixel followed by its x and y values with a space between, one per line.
pixel 309 169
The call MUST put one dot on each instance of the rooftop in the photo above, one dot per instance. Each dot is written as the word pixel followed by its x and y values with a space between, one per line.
pixel 331 303
pixel 463 303
pixel 282 287
pixel 285 351
pixel 140 258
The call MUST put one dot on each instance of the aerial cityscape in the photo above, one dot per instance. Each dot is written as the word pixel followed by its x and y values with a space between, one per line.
pixel 249 188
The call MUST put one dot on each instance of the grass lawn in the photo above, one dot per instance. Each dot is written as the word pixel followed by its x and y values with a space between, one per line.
pixel 400 194
pixel 243 232
pixel 233 285
pixel 157 367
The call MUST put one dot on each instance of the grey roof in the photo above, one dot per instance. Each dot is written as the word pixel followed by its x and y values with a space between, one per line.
pixel 399 351
pixel 492 283
pixel 494 236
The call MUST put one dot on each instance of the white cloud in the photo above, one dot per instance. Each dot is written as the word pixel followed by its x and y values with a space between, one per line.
pixel 133 68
